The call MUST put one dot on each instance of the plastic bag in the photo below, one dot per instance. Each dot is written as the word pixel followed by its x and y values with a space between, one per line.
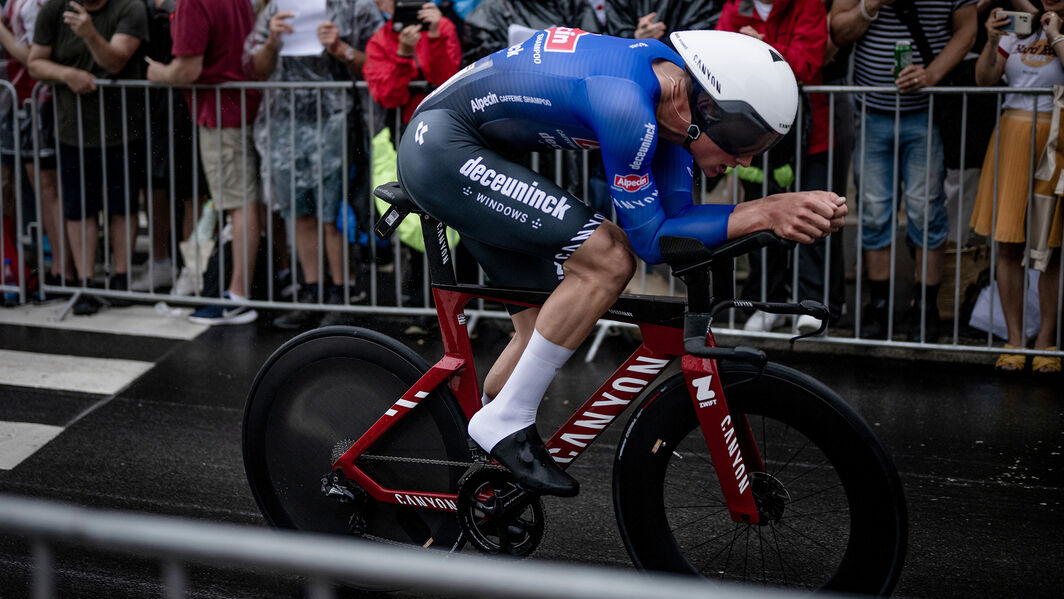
pixel 981 313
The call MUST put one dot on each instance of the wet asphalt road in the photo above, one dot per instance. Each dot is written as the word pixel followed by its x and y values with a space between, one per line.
pixel 979 455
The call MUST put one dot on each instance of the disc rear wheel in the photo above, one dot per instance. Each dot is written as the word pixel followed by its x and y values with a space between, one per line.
pixel 318 393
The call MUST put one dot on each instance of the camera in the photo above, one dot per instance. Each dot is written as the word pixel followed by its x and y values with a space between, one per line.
pixel 406 15
pixel 1019 22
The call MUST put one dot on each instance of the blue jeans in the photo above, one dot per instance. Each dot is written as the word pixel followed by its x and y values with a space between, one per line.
pixel 921 176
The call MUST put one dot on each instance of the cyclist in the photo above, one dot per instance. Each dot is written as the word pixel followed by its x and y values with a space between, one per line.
pixel 719 98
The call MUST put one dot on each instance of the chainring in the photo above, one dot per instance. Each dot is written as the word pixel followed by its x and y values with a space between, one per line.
pixel 496 515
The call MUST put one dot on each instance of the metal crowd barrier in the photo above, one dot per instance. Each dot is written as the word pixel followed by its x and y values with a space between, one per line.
pixel 325 561
pixel 395 279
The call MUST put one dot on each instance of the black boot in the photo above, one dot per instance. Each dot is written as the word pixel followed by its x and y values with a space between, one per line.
pixel 335 296
pixel 932 320
pixel 875 315
pixel 525 455
pixel 299 318
pixel 119 283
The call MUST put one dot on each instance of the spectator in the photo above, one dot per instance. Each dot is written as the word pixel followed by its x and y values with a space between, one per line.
pixel 946 30
pixel 978 112
pixel 653 19
pixel 1032 61
pixel 396 58
pixel 343 36
pixel 798 30
pixel 75 44
pixel 208 46
pixel 171 128
pixel 498 24
pixel 393 60
pixel 16 36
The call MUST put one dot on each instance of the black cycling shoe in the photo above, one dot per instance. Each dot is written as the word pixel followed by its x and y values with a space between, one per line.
pixel 525 456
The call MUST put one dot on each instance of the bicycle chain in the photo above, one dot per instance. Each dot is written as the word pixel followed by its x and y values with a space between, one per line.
pixel 427 461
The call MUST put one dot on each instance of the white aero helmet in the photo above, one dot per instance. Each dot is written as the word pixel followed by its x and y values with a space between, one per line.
pixel 743 93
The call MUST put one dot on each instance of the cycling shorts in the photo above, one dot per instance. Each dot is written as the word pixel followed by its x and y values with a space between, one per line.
pixel 519 225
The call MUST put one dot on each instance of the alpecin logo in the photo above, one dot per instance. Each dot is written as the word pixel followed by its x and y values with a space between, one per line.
pixel 528 194
pixel 631 183
pixel 563 39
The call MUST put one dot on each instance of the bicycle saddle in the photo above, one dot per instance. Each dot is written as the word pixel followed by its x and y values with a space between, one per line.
pixel 394 194
pixel 684 254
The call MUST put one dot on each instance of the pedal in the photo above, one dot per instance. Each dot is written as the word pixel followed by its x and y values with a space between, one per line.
pixel 496 515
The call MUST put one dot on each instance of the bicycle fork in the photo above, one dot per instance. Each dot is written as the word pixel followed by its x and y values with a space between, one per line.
pixel 729 439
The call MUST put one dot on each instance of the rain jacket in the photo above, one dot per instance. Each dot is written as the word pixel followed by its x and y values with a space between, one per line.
pixel 288 123
pixel 487 27
pixel 623 15
pixel 798 30
pixel 389 75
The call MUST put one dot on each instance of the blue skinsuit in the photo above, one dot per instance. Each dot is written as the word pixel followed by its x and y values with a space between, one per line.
pixel 568 89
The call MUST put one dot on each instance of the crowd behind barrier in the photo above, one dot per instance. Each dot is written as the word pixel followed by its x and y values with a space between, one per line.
pixel 389 276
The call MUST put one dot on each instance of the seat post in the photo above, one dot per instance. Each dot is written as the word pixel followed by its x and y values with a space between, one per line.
pixel 441 266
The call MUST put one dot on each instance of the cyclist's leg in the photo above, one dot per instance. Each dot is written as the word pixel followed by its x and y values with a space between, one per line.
pixel 520 218
pixel 594 276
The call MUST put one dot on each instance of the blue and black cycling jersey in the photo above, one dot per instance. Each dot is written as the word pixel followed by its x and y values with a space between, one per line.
pixel 568 89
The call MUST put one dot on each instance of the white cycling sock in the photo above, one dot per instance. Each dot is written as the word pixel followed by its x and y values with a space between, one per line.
pixel 515 406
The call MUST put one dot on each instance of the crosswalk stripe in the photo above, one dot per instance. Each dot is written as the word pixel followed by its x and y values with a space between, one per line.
pixel 71 373
pixel 138 320
pixel 18 441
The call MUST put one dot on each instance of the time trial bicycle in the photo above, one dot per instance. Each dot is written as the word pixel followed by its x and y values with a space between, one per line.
pixel 733 467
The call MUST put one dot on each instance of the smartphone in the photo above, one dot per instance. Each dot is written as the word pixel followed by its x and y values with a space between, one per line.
pixel 1020 23
pixel 406 15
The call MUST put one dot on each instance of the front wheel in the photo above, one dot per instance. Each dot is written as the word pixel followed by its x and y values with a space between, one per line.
pixel 830 501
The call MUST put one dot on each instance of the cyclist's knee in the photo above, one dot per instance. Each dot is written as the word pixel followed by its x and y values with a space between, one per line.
pixel 606 257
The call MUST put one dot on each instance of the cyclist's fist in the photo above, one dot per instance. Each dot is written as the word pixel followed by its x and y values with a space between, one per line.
pixel 802 216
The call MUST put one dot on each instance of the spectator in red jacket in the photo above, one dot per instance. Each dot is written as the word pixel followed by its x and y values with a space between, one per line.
pixel 798 29
pixel 395 58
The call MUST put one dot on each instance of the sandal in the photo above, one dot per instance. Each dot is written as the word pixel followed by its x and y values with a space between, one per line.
pixel 1011 362
pixel 1046 364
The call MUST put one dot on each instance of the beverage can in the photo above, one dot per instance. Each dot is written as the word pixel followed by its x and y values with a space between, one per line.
pixel 903 55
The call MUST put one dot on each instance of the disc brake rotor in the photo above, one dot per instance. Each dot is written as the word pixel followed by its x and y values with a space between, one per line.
pixel 770 496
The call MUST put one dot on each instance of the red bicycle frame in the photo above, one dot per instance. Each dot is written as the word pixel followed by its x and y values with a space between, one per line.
pixel 728 439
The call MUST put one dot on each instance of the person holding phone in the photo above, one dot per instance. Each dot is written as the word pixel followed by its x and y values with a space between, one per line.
pixel 425 47
pixel 303 152
pixel 1036 60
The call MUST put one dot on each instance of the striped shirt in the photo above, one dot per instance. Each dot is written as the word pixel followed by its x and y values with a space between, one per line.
pixel 874 52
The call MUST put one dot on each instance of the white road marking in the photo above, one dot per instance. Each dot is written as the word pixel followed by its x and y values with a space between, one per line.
pixel 137 320
pixel 18 441
pixel 104 376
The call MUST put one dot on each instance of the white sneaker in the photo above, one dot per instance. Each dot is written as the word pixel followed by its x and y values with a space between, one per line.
pixel 762 321
pixel 187 283
pixel 153 277
pixel 808 324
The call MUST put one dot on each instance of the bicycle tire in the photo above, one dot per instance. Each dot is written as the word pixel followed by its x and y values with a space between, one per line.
pixel 328 386
pixel 849 535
